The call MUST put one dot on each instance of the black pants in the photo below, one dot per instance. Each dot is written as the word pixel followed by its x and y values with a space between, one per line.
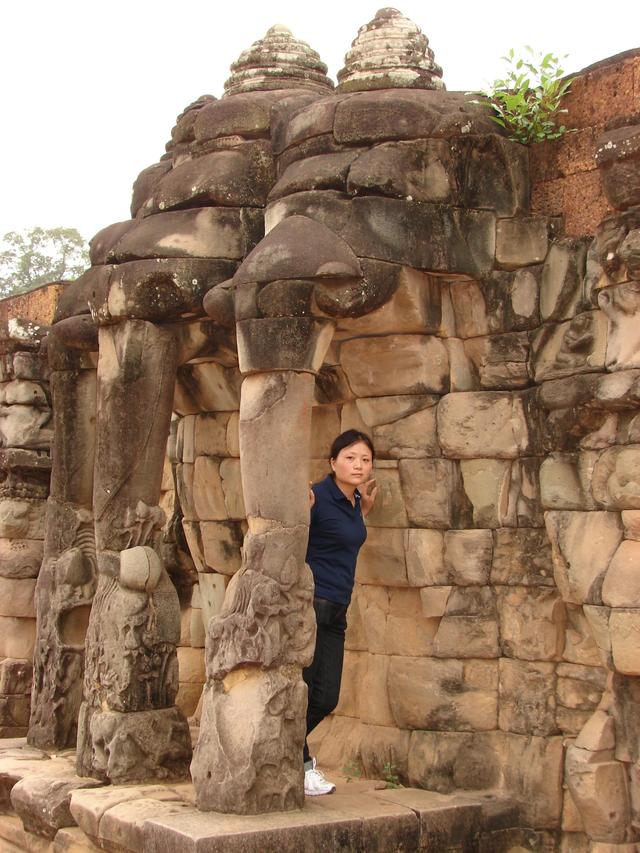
pixel 325 673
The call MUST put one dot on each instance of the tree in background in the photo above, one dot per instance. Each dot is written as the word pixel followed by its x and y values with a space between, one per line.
pixel 39 256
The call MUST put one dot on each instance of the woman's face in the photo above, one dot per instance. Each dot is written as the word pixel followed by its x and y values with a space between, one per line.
pixel 353 465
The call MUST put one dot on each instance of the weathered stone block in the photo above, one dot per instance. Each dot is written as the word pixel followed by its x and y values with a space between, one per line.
pixel 424 552
pixel 221 544
pixel 487 424
pixel 382 558
pixel 207 232
pixel 522 557
pixel 322 172
pixel 396 364
pixel 443 695
pixel 573 347
pixel 15 676
pixel 445 761
pixel 17 637
pixel 422 171
pixel 503 493
pixel 411 437
pixel 468 556
pixel 527 697
pixel 532 622
pixel 616 478
pixel 565 481
pixel 17 597
pixel 500 361
pixel 583 544
pixel 234 177
pixel 22 519
pixel 207 491
pixel 621 587
pixel 503 302
pixel 561 282
pixel 210 435
pixel 412 303
pixel 206 387
pixel 389 509
pixel 600 792
pixel 522 241
pixel 433 494
pixel 624 630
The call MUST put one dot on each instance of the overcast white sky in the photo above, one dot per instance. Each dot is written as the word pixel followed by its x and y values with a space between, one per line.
pixel 90 90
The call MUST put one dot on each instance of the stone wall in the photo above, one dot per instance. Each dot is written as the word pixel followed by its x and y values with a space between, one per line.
pixel 25 464
pixel 565 180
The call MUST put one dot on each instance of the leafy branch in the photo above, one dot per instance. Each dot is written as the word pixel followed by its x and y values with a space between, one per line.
pixel 527 102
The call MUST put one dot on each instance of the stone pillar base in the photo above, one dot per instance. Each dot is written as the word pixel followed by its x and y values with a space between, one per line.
pixel 122 747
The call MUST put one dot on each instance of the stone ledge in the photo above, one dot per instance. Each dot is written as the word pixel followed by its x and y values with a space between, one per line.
pixel 158 818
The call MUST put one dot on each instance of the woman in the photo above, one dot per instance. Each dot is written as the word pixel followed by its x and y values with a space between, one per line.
pixel 336 534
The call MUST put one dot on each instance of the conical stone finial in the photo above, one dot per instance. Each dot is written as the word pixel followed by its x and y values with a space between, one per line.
pixel 390 52
pixel 278 61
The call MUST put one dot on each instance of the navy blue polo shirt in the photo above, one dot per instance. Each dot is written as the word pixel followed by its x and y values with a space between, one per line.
pixel 336 534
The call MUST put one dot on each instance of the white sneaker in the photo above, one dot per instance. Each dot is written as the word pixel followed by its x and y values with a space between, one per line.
pixel 315 784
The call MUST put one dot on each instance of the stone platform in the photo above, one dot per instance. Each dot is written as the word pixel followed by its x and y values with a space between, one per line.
pixel 66 814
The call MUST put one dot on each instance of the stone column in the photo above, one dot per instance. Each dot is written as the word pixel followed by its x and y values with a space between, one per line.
pixel 129 728
pixel 66 583
pixel 249 754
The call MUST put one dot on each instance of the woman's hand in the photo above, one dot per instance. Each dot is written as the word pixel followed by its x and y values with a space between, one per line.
pixel 312 497
pixel 368 492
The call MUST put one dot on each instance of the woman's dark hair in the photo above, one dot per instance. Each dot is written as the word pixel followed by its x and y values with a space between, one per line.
pixel 346 439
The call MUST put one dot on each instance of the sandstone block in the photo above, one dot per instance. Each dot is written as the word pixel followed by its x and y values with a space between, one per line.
pixel 446 761
pixel 503 302
pixel 502 493
pixel 616 478
pixel 20 558
pixel 521 557
pixel 206 387
pixel 580 646
pixel 396 364
pixel 572 347
pixel 212 589
pixel 17 637
pixel 624 630
pixel 432 490
pixel 598 734
pixel 407 631
pixel 422 170
pixel 17 597
pixel 527 697
pixel 384 411
pixel 322 172
pixel 434 600
pixel 522 241
pixel 621 587
pixel 561 282
pixel 469 627
pixel 565 480
pixel 14 711
pixel 208 494
pixel 382 745
pixel 325 426
pixel 424 554
pixel 533 773
pixel 468 556
pixel 499 361
pixel 221 544
pixel 583 544
pixel 194 541
pixel 600 792
pixel 15 676
pixel 234 177
pixel 231 481
pixel 487 424
pixel 209 435
pixel 443 695
pixel 43 803
pixel 389 509
pixel 532 622
pixel 22 519
pixel 207 232
pixel 412 437
pixel 382 558
pixel 191 665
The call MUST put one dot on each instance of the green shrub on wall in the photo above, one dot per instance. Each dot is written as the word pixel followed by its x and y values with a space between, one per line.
pixel 527 102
